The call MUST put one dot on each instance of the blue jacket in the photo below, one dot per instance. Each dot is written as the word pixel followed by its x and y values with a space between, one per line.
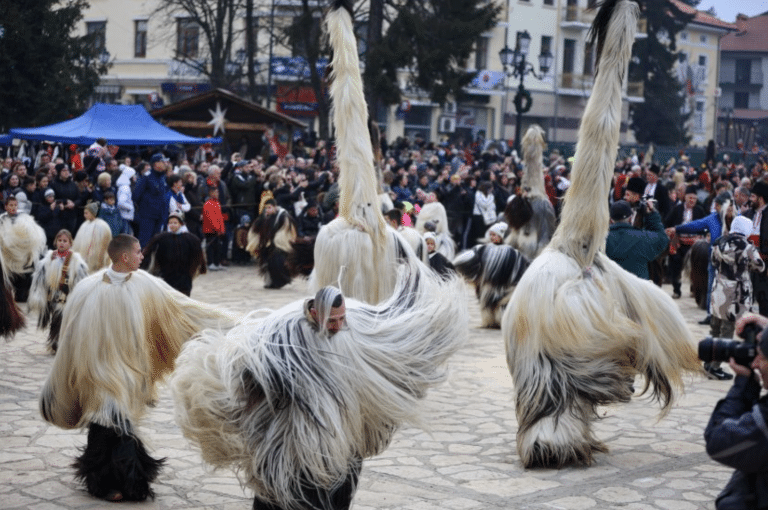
pixel 149 196
pixel 633 248
pixel 710 223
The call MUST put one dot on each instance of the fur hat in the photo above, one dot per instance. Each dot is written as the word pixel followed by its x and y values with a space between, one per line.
pixel 655 168
pixel 178 215
pixel 741 225
pixel 49 191
pixel 722 198
pixel 636 184
pixel 691 190
pixel 499 229
pixel 93 207
pixel 760 189
pixel 430 235
pixel 620 210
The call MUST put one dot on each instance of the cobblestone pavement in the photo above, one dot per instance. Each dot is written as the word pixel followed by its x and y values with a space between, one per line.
pixel 466 461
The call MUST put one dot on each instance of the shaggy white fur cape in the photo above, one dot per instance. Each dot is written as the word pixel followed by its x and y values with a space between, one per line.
pixel 22 242
pixel 279 401
pixel 91 242
pixel 120 334
pixel 435 212
pixel 578 327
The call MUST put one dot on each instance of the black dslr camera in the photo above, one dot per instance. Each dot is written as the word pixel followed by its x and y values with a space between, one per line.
pixel 723 349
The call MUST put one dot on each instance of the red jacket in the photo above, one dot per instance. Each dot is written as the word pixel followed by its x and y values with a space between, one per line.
pixel 213 220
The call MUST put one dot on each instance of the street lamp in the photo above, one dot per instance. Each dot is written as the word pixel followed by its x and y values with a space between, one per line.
pixel 515 65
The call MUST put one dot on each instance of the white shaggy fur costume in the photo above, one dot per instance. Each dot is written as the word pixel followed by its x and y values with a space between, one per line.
pixel 91 242
pixel 530 216
pixel 120 335
pixel 22 243
pixel 578 327
pixel 356 251
pixel 295 409
pixel 51 284
pixel 434 213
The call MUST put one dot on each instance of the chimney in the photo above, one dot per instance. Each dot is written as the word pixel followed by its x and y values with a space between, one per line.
pixel 741 22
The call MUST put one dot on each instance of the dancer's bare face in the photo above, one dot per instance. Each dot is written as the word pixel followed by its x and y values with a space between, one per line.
pixel 174 225
pixel 133 257
pixel 12 207
pixel 335 319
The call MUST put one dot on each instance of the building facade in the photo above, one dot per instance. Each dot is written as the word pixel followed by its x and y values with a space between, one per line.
pixel 698 71
pixel 743 112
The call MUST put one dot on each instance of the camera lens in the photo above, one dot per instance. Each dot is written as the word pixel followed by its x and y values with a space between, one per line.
pixel 721 349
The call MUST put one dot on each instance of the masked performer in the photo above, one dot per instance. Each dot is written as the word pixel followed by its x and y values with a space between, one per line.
pixel 494 268
pixel 295 401
pixel 578 327
pixel 121 331
pixel 175 255
pixel 92 239
pixel 530 215
pixel 270 241
pixel 55 277
pixel 22 242
pixel 368 271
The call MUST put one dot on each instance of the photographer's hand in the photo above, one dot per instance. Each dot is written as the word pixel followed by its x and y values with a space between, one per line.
pixel 740 369
pixel 750 318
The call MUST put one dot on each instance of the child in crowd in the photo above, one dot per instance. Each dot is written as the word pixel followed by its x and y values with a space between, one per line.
pixel 214 229
pixel 109 212
pixel 55 277
pixel 437 261
pixel 92 239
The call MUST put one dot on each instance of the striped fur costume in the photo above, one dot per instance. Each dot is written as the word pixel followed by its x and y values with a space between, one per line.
pixel 494 269
pixel 22 243
pixel 579 328
pixel 294 409
pixel 11 317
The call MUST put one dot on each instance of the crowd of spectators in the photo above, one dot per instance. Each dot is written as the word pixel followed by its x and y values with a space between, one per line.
pixel 473 183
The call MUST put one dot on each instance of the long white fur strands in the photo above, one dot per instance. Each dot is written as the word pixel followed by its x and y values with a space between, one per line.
pixel 358 201
pixel 117 340
pixel 533 152
pixel 22 242
pixel 435 212
pixel 279 401
pixel 346 257
pixel 530 237
pixel 581 235
pixel 91 242
pixel 578 327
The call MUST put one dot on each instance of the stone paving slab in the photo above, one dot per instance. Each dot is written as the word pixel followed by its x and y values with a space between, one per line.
pixel 466 460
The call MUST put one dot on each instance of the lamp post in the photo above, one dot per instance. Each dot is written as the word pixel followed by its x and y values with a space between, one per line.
pixel 516 66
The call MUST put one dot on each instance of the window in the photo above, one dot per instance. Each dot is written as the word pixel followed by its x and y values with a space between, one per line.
pixel 703 39
pixel 743 72
pixel 481 53
pixel 188 33
pixel 98 30
pixel 140 39
pixel 698 116
pixel 546 44
pixel 589 58
pixel 703 60
pixel 682 57
pixel 549 2
pixel 741 100
pixel 569 55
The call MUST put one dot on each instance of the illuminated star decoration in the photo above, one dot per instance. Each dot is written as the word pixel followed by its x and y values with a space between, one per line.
pixel 218 119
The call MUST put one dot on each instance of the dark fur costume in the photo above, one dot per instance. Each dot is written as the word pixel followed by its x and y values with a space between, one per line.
pixel 176 258
pixel 11 317
pixel 116 461
pixel 494 269
pixel 696 263
pixel 269 240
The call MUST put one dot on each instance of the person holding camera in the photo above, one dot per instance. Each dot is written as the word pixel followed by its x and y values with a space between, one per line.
pixel 631 247
pixel 736 433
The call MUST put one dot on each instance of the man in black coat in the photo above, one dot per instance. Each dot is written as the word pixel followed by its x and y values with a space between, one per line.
pixel 759 238
pixel 682 213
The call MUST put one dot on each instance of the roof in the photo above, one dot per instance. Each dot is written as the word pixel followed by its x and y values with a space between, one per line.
pixel 119 124
pixel 752 35
pixel 194 113
pixel 702 18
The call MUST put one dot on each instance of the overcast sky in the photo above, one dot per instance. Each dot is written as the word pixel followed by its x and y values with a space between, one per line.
pixel 728 9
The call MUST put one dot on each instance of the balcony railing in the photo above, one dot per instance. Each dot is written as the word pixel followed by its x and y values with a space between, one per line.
pixel 635 89
pixel 578 16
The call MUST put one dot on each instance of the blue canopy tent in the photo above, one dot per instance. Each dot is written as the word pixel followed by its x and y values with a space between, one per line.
pixel 119 124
